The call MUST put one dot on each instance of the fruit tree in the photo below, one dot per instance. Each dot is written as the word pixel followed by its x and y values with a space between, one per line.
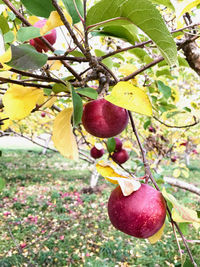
pixel 124 74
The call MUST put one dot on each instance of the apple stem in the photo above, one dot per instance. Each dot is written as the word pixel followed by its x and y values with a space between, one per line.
pixel 149 175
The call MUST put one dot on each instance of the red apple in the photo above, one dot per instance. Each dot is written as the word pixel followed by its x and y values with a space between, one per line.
pixel 121 156
pixel 118 144
pixel 96 153
pixel 140 214
pixel 50 37
pixel 194 151
pixel 103 119
pixel 152 129
pixel 43 114
pixel 184 143
pixel 173 159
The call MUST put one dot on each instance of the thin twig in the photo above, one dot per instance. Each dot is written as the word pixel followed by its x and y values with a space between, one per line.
pixel 176 126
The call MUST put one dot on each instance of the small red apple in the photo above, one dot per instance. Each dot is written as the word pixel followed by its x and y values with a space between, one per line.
pixel 173 159
pixel 152 129
pixel 43 114
pixel 103 119
pixel 118 144
pixel 184 143
pixel 50 37
pixel 194 151
pixel 121 156
pixel 96 153
pixel 140 214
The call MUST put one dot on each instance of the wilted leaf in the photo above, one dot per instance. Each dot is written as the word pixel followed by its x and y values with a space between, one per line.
pixel 157 236
pixel 19 101
pixel 63 136
pixel 181 213
pixel 54 21
pixel 127 183
pixel 130 97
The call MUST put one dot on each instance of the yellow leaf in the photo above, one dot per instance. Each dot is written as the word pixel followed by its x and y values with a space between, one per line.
pixel 127 183
pixel 181 213
pixel 127 70
pixel 186 6
pixel 63 136
pixel 54 21
pixel 130 97
pixel 157 236
pixel 54 65
pixel 33 19
pixel 6 123
pixel 19 101
pixel 49 102
pixel 6 57
pixel 176 173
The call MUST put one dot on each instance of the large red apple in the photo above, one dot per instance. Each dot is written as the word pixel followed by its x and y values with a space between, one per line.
pixel 50 37
pixel 121 156
pixel 103 119
pixel 140 214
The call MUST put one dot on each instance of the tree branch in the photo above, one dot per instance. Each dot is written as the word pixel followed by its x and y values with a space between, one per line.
pixel 179 127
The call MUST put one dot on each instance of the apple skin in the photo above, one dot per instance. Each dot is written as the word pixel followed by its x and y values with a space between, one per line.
pixel 140 214
pixel 118 144
pixel 96 153
pixel 50 37
pixel 43 114
pixel 103 119
pixel 173 159
pixel 121 156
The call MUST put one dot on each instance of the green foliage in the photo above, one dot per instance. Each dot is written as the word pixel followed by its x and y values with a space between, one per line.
pixel 4 27
pixel 25 57
pixel 111 143
pixel 153 24
pixel 77 107
pixel 27 33
pixel 87 91
pixel 69 4
pixel 67 231
pixel 39 8
pixel 164 89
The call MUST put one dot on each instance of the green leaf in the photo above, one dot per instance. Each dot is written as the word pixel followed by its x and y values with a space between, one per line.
pixel 107 61
pixel 2 184
pixel 47 91
pixel 188 263
pixel 126 32
pixel 111 145
pixel 69 4
pixel 9 37
pixel 59 87
pixel 144 15
pixel 184 228
pixel 77 107
pixel 25 57
pixel 88 91
pixel 164 89
pixel 140 54
pixel 163 72
pixel 147 124
pixel 4 24
pixel 166 3
pixel 41 8
pixel 27 33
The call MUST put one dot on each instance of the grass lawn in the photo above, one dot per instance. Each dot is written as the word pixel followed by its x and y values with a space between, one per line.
pixel 47 219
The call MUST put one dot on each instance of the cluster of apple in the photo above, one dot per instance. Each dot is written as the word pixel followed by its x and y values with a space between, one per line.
pixel 103 119
pixel 142 213
pixel 119 155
